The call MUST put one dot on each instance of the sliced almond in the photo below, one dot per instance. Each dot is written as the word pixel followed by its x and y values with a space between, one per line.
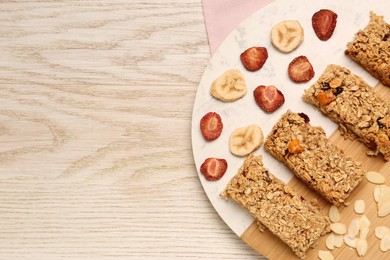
pixel 361 247
pixel 353 228
pixel 350 241
pixel 338 228
pixel 359 206
pixel 377 191
pixel 375 177
pixel 364 233
pixel 325 255
pixel 385 243
pixel 334 214
pixel 364 222
pixel 383 208
pixel 330 241
pixel 381 231
pixel 338 240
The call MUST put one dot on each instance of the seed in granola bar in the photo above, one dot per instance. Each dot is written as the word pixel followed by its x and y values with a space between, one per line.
pixel 325 97
pixel 294 146
pixel 305 117
pixel 338 91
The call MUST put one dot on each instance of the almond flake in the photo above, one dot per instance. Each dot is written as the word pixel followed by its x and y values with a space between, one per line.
pixel 353 228
pixel 334 214
pixel 383 208
pixel 375 177
pixel 338 240
pixel 338 228
pixel 364 222
pixel 381 231
pixel 385 243
pixel 350 241
pixel 330 241
pixel 325 255
pixel 359 206
pixel 361 247
pixel 364 233
pixel 377 192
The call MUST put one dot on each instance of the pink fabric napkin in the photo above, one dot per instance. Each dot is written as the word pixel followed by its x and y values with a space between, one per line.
pixel 223 16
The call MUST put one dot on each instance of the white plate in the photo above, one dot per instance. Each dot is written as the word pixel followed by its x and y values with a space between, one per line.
pixel 255 31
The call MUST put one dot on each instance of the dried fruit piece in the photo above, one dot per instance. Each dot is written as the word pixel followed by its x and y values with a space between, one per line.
pixel 229 87
pixel 213 168
pixel 300 69
pixel 375 177
pixel 211 126
pixel 305 117
pixel 268 98
pixel 338 228
pixel 385 243
pixel 361 247
pixel 294 146
pixel 334 214
pixel 324 22
pixel 325 97
pixel 381 231
pixel 286 36
pixel 254 58
pixel 325 255
pixel 245 140
pixel 359 206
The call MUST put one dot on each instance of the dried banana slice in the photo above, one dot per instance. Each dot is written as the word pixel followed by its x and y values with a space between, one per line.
pixel 287 35
pixel 230 86
pixel 245 140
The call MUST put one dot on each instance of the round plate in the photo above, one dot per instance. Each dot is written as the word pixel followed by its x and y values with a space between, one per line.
pixel 255 31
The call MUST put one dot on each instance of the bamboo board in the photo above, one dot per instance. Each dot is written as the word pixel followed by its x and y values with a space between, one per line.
pixel 272 247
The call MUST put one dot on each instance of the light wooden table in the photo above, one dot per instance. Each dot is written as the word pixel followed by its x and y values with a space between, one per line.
pixel 96 162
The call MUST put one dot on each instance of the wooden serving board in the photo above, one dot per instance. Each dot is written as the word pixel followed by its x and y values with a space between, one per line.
pixel 272 247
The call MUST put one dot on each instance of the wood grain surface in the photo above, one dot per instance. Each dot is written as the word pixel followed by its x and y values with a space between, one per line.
pixel 95 146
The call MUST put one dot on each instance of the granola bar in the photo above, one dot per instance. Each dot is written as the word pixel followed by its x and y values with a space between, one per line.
pixel 371 48
pixel 276 206
pixel 307 152
pixel 349 101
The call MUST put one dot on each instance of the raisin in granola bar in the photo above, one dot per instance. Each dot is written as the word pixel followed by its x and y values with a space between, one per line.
pixel 371 48
pixel 277 206
pixel 307 152
pixel 349 101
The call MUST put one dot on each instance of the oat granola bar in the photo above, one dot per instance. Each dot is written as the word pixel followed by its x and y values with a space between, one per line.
pixel 371 48
pixel 307 152
pixel 349 101
pixel 277 206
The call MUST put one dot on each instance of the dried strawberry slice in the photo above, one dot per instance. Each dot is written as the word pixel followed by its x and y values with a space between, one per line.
pixel 254 58
pixel 300 69
pixel 213 168
pixel 324 22
pixel 211 126
pixel 268 98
